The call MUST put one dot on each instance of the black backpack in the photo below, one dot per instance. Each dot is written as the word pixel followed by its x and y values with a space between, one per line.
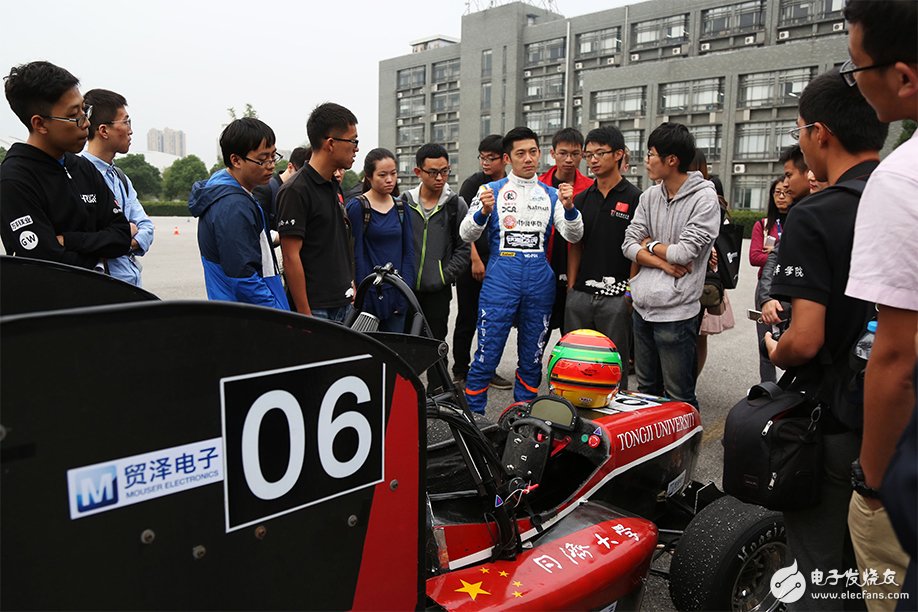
pixel 368 210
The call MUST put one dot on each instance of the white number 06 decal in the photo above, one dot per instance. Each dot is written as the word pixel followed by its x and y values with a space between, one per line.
pixel 328 430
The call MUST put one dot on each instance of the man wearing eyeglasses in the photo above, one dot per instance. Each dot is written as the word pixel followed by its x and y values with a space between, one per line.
pixel 567 151
pixel 55 204
pixel 840 137
pixel 468 285
pixel 597 270
pixel 233 232
pixel 312 223
pixel 883 45
pixel 441 255
pixel 110 133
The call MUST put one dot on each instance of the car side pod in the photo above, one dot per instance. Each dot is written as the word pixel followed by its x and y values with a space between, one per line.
pixel 234 458
pixel 591 559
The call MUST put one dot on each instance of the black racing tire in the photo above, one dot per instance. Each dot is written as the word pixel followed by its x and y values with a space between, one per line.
pixel 726 557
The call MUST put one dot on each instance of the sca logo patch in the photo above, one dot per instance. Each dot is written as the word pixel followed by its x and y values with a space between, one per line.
pixel 509 222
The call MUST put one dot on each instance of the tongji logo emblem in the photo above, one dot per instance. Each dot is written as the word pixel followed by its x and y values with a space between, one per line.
pixel 96 488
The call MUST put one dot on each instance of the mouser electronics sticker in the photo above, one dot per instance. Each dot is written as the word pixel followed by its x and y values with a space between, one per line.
pixel 300 436
pixel 131 480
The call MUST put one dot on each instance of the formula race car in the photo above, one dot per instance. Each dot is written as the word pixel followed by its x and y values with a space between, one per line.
pixel 345 484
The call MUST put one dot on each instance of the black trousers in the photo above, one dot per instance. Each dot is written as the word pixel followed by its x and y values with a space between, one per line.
pixel 435 305
pixel 467 291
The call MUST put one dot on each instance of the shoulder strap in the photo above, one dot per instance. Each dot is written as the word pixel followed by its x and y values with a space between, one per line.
pixel 122 177
pixel 452 211
pixel 400 209
pixel 367 211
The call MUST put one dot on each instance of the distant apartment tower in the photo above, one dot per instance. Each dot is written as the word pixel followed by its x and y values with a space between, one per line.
pixel 166 141
pixel 732 70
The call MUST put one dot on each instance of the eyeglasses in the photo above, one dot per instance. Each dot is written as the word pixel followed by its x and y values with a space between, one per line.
pixel 126 122
pixel 81 121
pixel 435 173
pixel 353 141
pixel 652 154
pixel 848 69
pixel 489 158
pixel 597 154
pixel 781 193
pixel 794 133
pixel 565 154
pixel 271 161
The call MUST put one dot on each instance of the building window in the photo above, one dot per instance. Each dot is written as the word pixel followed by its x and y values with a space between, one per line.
pixel 600 42
pixel 410 135
pixel 803 11
pixel 487 58
pixel 578 117
pixel 634 141
pixel 750 192
pixel 671 30
pixel 446 131
pixel 406 164
pixel 773 88
pixel 445 71
pixel 543 122
pixel 692 96
pixel 616 103
pixel 546 51
pixel 761 141
pixel 486 95
pixel 445 101
pixel 708 140
pixel 548 86
pixel 485 125
pixel 734 18
pixel 410 78
pixel 411 106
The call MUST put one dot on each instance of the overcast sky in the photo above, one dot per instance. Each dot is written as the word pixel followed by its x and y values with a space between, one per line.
pixel 181 64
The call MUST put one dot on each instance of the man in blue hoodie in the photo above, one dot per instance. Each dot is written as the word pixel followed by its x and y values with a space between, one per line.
pixel 239 263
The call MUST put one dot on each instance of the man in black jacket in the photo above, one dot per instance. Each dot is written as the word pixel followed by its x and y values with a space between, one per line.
pixel 56 205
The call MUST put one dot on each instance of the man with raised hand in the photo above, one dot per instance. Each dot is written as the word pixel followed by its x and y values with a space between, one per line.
pixel 519 285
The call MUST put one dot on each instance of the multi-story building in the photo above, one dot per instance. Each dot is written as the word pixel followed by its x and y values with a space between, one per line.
pixel 729 69
pixel 166 141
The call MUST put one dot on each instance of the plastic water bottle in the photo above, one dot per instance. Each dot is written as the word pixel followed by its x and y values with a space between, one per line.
pixel 862 349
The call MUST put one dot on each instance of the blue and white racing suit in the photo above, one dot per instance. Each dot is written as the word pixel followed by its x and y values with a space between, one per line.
pixel 519 285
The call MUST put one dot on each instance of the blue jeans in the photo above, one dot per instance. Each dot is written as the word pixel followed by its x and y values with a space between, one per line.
pixel 665 359
pixel 336 314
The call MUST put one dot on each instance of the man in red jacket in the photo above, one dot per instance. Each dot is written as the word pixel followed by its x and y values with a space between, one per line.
pixel 567 151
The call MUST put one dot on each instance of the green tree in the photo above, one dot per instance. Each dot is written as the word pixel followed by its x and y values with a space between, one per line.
pixel 217 166
pixel 181 175
pixel 349 179
pixel 144 176
pixel 2 153
pixel 248 112
pixel 908 128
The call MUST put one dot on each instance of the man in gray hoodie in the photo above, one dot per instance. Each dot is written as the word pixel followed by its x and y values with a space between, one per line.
pixel 670 238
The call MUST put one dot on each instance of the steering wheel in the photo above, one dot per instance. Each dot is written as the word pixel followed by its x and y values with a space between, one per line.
pixel 527 450
pixel 511 415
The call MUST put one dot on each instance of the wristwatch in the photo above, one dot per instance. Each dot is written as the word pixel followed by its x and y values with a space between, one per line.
pixel 650 245
pixel 859 483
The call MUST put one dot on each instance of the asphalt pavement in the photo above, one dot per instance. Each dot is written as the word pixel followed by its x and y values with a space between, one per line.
pixel 172 270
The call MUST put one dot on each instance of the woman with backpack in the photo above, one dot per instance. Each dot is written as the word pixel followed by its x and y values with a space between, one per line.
pixel 764 238
pixel 382 234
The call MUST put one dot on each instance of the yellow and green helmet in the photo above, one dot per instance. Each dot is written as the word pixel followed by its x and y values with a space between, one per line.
pixel 585 369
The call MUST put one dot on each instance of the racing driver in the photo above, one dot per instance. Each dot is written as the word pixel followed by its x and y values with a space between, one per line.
pixel 519 285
